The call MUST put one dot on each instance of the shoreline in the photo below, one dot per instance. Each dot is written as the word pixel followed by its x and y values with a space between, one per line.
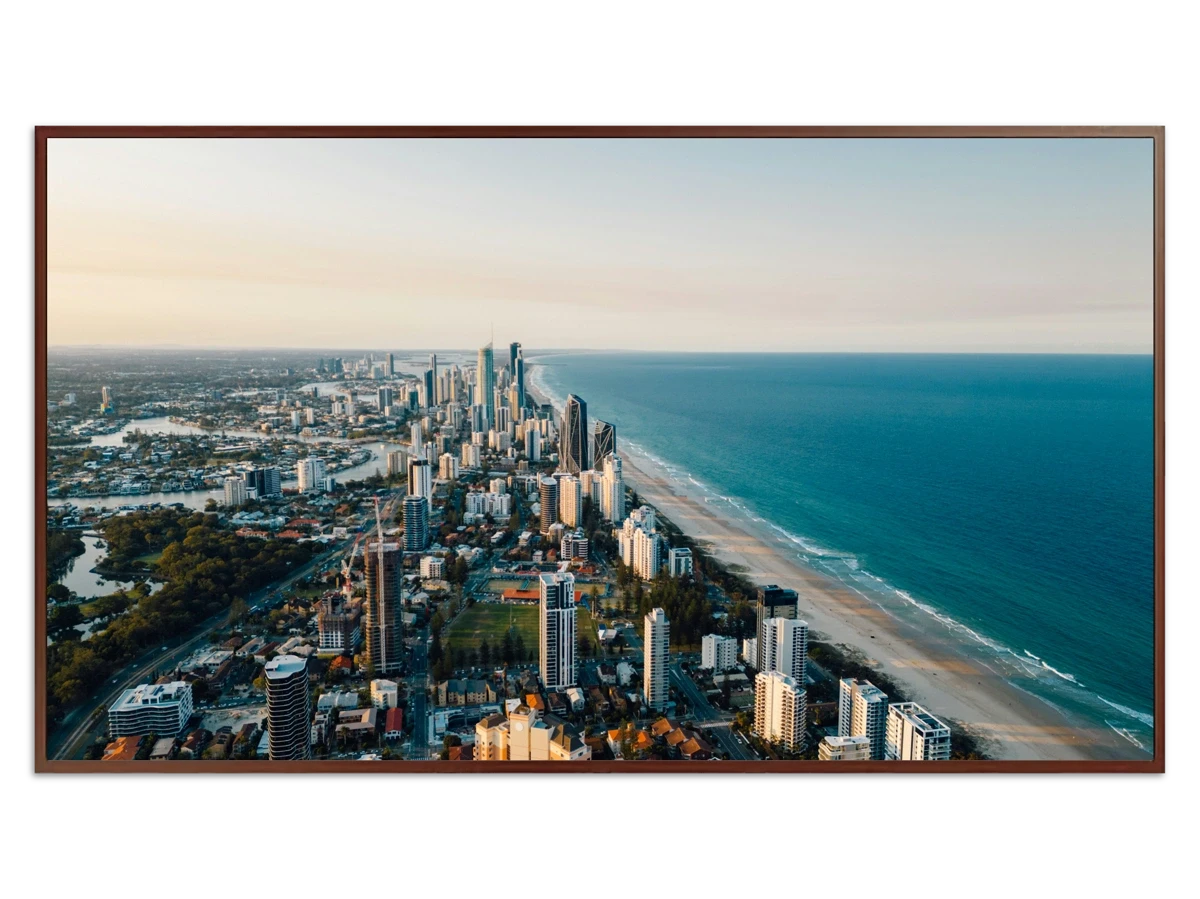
pixel 1010 723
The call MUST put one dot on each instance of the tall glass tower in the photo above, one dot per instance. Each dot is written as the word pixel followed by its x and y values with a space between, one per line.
pixel 574 440
pixel 485 378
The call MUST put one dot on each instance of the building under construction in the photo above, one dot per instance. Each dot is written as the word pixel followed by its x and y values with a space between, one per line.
pixel 338 624
pixel 384 607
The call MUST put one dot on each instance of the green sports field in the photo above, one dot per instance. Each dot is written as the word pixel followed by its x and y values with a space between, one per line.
pixel 489 621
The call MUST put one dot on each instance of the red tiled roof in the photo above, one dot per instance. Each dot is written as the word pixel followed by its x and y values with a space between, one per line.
pixel 395 721
pixel 522 594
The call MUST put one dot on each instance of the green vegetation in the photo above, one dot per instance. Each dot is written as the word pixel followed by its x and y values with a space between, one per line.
pixel 61 548
pixel 490 622
pixel 205 570
pixel 685 600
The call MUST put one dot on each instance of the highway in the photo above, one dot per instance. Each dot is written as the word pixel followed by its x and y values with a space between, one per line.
pixel 81 725
pixel 708 718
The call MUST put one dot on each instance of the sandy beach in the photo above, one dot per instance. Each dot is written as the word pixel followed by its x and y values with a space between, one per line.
pixel 1010 722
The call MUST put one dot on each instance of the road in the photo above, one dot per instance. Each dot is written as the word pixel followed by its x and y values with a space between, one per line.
pixel 705 716
pixel 418 682
pixel 78 728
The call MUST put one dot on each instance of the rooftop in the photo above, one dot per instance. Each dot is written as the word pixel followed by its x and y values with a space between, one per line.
pixel 152 694
pixel 284 666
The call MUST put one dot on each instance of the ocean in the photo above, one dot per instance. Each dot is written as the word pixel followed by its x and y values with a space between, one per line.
pixel 1007 498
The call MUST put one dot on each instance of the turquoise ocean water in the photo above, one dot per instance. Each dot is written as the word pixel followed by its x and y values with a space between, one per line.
pixel 1009 498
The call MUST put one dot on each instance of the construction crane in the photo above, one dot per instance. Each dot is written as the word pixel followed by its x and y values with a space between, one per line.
pixel 348 560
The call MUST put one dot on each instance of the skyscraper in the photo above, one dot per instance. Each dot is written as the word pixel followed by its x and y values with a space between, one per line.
pixel 309 474
pixel 773 602
pixel 612 496
pixel 657 644
pixel 785 648
pixel 556 645
pixel 520 378
pixel 420 479
pixel 384 397
pixel 863 712
pixel 430 398
pixel 573 442
pixel 263 481
pixel 416 522
pixel 780 709
pixel 548 501
pixel 391 365
pixel 514 350
pixel 570 501
pixel 485 380
pixel 235 492
pixel 383 607
pixel 288 708
pixel 435 396
pixel 604 442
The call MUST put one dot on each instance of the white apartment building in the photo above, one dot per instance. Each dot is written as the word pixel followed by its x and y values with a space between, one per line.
pixel 750 650
pixel 785 647
pixel 385 694
pixel 448 467
pixel 397 463
pixel 288 708
pixel 657 640
pixel 433 566
pixel 470 455
pixel 844 749
pixel 612 491
pixel 420 478
pixel 556 617
pixel 780 709
pixel 590 485
pixel 235 492
pixel 863 712
pixel 679 561
pixel 309 473
pixel 574 545
pixel 570 501
pixel 162 709
pixel 641 548
pixel 718 653
pixel 915 735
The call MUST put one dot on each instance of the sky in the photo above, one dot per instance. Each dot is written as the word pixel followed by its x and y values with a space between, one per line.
pixel 813 245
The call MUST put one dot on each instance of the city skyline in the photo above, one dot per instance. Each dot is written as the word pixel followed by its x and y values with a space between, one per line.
pixel 690 245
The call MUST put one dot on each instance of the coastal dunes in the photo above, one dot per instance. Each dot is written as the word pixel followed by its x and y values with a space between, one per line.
pixel 921 657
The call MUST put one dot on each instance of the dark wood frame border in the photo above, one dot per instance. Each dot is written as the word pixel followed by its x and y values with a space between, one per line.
pixel 43 134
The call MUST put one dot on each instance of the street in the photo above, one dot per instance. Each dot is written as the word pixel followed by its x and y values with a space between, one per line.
pixel 418 701
pixel 69 742
pixel 707 717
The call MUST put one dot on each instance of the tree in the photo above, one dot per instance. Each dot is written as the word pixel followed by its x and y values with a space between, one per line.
pixel 237 610
pixel 485 653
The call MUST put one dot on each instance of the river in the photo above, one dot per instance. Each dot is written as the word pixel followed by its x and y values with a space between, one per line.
pixel 196 499
pixel 87 584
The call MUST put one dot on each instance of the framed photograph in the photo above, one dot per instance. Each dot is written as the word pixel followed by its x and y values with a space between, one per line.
pixel 600 449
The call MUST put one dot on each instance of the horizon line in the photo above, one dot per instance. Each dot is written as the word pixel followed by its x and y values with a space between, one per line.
pixel 586 350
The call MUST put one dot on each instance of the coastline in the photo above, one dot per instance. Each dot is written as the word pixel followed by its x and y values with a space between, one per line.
pixel 1010 723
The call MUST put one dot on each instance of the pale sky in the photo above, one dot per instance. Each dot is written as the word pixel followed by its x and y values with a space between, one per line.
pixel 959 245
